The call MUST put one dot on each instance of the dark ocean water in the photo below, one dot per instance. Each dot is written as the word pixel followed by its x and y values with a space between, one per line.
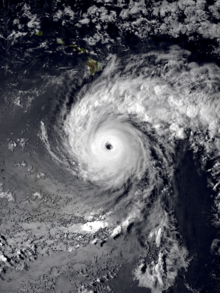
pixel 194 223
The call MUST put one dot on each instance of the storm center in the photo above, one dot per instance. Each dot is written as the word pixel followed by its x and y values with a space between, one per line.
pixel 108 146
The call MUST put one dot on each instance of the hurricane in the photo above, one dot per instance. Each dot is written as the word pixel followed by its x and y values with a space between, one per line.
pixel 122 134
pixel 109 149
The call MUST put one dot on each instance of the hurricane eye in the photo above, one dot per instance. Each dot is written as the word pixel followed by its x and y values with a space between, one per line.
pixel 108 146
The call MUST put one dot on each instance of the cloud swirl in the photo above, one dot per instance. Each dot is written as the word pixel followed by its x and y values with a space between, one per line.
pixel 110 150
pixel 123 130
